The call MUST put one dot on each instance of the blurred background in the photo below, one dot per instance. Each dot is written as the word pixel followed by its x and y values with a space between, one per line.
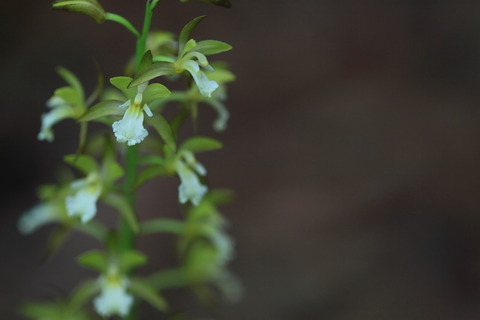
pixel 353 148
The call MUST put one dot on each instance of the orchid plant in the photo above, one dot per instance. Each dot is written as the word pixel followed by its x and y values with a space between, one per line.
pixel 138 144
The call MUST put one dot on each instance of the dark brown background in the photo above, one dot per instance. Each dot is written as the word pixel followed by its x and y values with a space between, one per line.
pixel 354 149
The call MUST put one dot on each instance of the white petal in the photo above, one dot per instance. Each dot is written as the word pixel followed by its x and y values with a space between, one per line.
pixel 147 110
pixel 50 118
pixel 36 217
pixel 84 202
pixel 130 129
pixel 113 300
pixel 190 188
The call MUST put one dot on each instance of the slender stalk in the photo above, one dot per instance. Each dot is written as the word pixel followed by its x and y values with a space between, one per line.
pixel 126 240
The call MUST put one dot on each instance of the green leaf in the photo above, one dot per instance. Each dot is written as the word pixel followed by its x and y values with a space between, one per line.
pixel 150 173
pixel 185 33
pixel 71 79
pixel 164 130
pixel 162 226
pixel 131 259
pixel 199 144
pixel 145 291
pixel 97 260
pixel 209 47
pixel 88 7
pixel 70 95
pixel 82 162
pixel 120 203
pixel 155 91
pixel 188 47
pixel 155 70
pixel 102 109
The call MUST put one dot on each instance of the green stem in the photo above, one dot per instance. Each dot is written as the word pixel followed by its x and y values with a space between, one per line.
pixel 127 238
pixel 142 40
pixel 124 22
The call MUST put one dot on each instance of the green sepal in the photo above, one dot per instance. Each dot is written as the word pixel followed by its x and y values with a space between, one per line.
pixel 70 95
pixel 147 292
pixel 88 7
pixel 209 47
pixel 57 310
pixel 102 109
pixel 155 70
pixel 122 84
pixel 100 85
pixel 164 130
pixel 83 293
pixel 185 33
pixel 155 91
pixel 82 162
pixel 130 260
pixel 162 225
pixel 123 206
pixel 94 259
pixel 199 144
pixel 188 47
pixel 71 79
pixel 150 173
pixel 146 61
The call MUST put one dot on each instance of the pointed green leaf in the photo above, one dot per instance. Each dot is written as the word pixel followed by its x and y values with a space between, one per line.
pixel 94 259
pixel 131 259
pixel 102 109
pixel 145 291
pixel 199 144
pixel 209 47
pixel 120 203
pixel 164 130
pixel 185 33
pixel 155 91
pixel 88 7
pixel 162 226
pixel 82 162
pixel 155 70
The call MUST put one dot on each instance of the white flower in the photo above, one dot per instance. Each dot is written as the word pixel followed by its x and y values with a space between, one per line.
pixel 190 188
pixel 130 129
pixel 36 217
pixel 84 202
pixel 113 299
pixel 61 109
pixel 205 86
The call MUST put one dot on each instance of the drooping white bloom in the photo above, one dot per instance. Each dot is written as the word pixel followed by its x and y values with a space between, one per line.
pixel 205 86
pixel 36 217
pixel 60 110
pixel 192 61
pixel 113 298
pixel 84 202
pixel 130 129
pixel 190 188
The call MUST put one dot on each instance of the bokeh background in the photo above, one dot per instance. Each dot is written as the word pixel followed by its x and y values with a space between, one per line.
pixel 353 148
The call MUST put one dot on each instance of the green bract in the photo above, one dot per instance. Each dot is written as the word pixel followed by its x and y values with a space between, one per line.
pixel 88 7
